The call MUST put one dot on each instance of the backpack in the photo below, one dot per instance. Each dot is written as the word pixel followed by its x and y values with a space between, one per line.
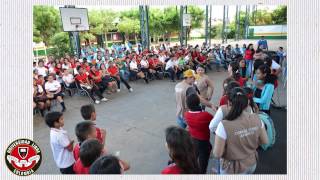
pixel 265 118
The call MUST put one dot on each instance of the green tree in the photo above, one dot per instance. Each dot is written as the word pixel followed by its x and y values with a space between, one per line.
pixel 279 15
pixel 61 44
pixel 36 35
pixel 197 15
pixel 132 13
pixel 46 22
pixel 129 26
pixel 101 21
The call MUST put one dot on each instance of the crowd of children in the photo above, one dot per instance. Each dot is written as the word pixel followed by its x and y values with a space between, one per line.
pixel 88 156
pixel 238 131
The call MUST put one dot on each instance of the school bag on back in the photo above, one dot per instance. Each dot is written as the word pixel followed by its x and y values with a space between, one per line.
pixel 265 118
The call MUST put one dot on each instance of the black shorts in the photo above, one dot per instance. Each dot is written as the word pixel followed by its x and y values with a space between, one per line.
pixel 56 95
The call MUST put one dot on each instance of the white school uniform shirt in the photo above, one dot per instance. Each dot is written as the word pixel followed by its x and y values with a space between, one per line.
pixel 42 71
pixel 275 65
pixel 55 85
pixel 218 117
pixel 59 140
pixel 67 79
pixel 65 66
pixel 144 63
pixel 51 69
pixel 133 65
pixel 170 64
pixel 162 59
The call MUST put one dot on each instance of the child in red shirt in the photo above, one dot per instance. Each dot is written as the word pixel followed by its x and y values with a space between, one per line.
pixel 198 123
pixel 181 151
pixel 88 112
pixel 90 150
pixel 84 130
pixel 224 98
pixel 233 71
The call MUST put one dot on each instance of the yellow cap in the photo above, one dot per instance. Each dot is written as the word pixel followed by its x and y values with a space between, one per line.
pixel 188 73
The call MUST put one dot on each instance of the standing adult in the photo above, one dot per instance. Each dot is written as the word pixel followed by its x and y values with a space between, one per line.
pixel 263 44
pixel 184 89
pixel 238 136
pixel 248 57
pixel 204 84
pixel 264 88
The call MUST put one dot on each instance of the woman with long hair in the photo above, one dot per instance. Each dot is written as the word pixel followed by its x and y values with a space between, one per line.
pixel 234 72
pixel 181 151
pixel 238 136
pixel 204 84
pixel 264 88
pixel 248 57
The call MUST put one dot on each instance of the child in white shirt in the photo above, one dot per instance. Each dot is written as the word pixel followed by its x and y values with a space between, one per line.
pixel 60 143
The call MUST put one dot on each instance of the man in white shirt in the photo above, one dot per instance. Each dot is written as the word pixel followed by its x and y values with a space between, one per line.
pixel 53 90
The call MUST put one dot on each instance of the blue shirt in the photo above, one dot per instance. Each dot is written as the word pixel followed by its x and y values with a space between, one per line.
pixel 263 44
pixel 266 97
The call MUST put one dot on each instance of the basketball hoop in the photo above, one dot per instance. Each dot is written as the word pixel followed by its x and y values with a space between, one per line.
pixel 74 19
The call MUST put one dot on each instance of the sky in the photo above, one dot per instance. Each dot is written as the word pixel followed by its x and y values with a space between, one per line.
pixel 217 11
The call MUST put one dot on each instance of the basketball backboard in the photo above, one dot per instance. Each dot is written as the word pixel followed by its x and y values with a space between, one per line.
pixel 74 19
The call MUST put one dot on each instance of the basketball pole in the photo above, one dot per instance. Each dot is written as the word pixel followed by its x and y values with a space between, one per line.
pixel 74 38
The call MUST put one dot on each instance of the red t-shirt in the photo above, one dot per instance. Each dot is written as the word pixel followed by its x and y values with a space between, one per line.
pixel 242 81
pixel 73 65
pixel 97 73
pixel 198 123
pixel 113 70
pixel 223 100
pixel 248 55
pixel 202 59
pixel 99 135
pixel 171 169
pixel 76 151
pixel 195 54
pixel 78 168
pixel 151 63
pixel 85 67
pixel 82 78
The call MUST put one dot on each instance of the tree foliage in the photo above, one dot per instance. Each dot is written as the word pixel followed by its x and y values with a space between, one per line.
pixel 101 21
pixel 46 22
pixel 279 16
pixel 61 44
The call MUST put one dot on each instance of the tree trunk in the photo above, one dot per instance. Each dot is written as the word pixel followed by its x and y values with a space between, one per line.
pixel 106 40
pixel 135 38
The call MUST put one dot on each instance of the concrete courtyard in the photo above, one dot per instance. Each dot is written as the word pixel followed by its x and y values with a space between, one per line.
pixel 135 124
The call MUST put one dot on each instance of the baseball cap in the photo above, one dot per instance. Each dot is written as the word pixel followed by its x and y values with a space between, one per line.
pixel 189 73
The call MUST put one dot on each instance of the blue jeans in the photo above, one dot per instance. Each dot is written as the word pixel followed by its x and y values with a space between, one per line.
pixel 124 74
pixel 181 122
pixel 249 64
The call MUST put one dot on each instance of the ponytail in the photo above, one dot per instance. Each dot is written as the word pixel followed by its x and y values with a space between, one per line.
pixel 239 102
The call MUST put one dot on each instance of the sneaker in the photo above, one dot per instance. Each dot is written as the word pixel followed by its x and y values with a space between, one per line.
pixel 104 99
pixel 118 90
pixel 97 101
pixel 130 90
